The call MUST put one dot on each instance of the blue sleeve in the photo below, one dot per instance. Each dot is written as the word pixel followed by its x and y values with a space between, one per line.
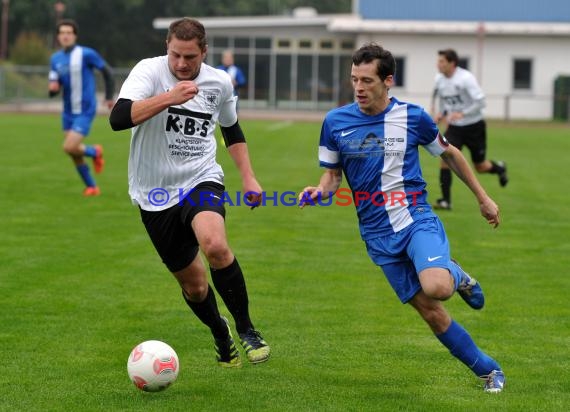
pixel 329 155
pixel 93 59
pixel 427 129
pixel 240 78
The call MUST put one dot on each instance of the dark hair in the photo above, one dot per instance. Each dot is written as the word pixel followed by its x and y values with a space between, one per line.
pixel 386 65
pixel 187 28
pixel 450 55
pixel 67 22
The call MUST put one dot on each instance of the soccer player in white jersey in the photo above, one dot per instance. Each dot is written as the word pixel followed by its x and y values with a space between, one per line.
pixel 172 103
pixel 374 142
pixel 461 103
pixel 72 70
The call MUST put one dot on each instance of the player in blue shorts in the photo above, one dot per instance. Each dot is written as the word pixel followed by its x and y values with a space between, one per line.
pixel 374 142
pixel 72 71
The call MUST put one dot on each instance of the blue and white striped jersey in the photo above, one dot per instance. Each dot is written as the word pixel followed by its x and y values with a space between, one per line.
pixel 380 160
pixel 73 69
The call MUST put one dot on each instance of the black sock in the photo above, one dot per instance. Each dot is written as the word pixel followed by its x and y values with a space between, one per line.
pixel 230 284
pixel 445 183
pixel 207 311
pixel 496 169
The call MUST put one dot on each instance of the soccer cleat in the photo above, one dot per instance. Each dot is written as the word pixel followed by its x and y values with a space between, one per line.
pixel 442 204
pixel 91 191
pixel 494 382
pixel 503 178
pixel 470 290
pixel 227 354
pixel 256 349
pixel 98 161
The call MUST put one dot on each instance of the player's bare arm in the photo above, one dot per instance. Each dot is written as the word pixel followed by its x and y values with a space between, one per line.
pixel 329 183
pixel 145 109
pixel 457 162
pixel 240 156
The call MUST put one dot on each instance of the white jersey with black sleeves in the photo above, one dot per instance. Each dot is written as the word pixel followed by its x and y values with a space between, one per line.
pixel 175 150
pixel 460 93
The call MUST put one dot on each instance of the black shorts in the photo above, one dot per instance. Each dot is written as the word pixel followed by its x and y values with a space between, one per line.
pixel 474 136
pixel 171 229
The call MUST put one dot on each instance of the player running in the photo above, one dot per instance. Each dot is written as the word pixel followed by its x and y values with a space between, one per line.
pixel 172 103
pixel 374 142
pixel 461 103
pixel 72 69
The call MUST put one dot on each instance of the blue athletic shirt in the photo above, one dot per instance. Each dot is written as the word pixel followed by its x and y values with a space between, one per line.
pixel 73 69
pixel 380 159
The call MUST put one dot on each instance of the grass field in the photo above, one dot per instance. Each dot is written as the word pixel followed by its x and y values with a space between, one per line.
pixel 81 285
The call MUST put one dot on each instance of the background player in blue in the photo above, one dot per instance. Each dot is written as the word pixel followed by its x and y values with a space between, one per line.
pixel 228 65
pixel 374 141
pixel 72 71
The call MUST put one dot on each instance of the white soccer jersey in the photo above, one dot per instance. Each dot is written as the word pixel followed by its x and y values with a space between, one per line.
pixel 176 149
pixel 460 93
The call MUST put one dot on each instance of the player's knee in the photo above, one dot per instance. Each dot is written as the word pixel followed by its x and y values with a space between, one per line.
pixel 217 253
pixel 195 293
pixel 71 149
pixel 482 167
pixel 440 289
pixel 436 283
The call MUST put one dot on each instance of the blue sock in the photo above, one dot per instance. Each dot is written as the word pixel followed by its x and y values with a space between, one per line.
pixel 83 171
pixel 456 273
pixel 460 344
pixel 90 151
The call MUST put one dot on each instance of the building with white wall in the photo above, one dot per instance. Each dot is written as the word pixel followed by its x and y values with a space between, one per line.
pixel 302 61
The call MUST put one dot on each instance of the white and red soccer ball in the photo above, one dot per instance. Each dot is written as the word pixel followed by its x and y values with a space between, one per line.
pixel 153 366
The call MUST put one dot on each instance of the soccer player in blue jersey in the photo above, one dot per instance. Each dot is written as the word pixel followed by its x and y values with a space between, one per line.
pixel 228 65
pixel 374 142
pixel 72 71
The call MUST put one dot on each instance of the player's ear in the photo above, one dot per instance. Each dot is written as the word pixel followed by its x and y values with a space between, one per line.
pixel 389 81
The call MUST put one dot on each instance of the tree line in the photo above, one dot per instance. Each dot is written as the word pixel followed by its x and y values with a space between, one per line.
pixel 121 30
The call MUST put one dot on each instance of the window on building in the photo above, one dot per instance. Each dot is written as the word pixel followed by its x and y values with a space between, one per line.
pixel 305 80
pixel 283 43
pixel 399 76
pixel 522 74
pixel 241 42
pixel 261 77
pixel 347 45
pixel 305 44
pixel 283 77
pixel 325 82
pixel 263 43
pixel 221 42
pixel 242 61
pixel 463 63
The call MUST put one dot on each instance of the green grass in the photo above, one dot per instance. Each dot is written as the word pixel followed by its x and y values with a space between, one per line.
pixel 81 285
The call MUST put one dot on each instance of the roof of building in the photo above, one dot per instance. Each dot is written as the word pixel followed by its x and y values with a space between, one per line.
pixel 352 23
pixel 467 10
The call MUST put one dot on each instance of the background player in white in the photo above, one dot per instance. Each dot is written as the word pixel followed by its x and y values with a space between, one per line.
pixel 461 103
pixel 374 142
pixel 172 103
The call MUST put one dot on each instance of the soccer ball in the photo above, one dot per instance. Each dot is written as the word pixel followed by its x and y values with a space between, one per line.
pixel 153 366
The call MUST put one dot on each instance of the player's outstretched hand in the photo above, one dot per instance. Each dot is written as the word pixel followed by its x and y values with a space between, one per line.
pixel 490 211
pixel 309 196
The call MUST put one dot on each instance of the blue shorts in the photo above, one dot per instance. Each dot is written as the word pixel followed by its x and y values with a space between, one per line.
pixel 403 255
pixel 79 123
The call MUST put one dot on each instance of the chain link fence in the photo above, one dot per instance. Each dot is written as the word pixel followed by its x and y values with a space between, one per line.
pixel 24 88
